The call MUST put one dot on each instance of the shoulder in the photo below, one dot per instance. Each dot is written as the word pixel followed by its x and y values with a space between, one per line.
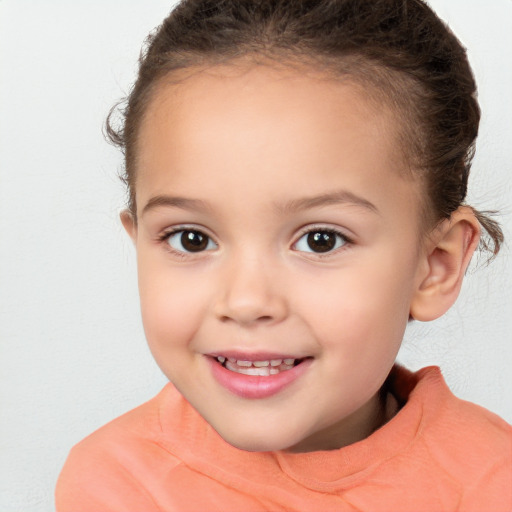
pixel 116 464
pixel 469 446
pixel 463 423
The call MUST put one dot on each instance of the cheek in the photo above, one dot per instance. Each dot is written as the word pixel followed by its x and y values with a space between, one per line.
pixel 171 307
pixel 364 308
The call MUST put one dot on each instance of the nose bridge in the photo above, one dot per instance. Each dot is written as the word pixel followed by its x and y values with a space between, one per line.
pixel 250 290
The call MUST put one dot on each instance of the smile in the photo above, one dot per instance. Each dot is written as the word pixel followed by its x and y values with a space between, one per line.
pixel 259 377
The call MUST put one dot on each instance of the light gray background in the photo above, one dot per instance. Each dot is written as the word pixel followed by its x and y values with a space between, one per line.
pixel 72 350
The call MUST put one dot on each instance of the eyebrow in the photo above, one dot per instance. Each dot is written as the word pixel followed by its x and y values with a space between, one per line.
pixel 336 197
pixel 305 203
pixel 175 202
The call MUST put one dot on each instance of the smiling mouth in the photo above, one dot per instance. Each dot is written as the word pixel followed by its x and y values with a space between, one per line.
pixel 262 368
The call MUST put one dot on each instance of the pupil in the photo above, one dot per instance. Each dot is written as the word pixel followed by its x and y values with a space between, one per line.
pixel 194 241
pixel 321 241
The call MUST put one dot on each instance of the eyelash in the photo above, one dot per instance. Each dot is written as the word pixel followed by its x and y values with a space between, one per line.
pixel 166 235
pixel 346 241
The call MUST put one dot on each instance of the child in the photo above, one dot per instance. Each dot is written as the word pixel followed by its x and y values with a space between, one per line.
pixel 297 174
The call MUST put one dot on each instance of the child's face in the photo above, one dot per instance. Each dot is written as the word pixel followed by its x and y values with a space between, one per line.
pixel 295 237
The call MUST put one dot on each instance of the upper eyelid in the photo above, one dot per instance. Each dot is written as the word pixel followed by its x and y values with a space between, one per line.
pixel 166 232
pixel 323 227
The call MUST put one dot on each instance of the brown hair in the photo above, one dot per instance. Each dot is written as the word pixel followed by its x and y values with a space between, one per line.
pixel 399 48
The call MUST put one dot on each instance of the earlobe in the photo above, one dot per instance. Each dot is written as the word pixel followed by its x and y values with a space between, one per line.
pixel 129 224
pixel 446 259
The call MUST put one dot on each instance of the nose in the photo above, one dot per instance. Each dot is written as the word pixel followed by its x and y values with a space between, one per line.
pixel 251 293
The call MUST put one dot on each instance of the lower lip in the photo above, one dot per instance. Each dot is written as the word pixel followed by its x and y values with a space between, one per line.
pixel 255 386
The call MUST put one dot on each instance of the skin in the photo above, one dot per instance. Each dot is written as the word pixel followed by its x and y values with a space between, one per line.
pixel 250 147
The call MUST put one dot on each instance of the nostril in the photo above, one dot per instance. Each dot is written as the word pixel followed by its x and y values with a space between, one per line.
pixel 238 319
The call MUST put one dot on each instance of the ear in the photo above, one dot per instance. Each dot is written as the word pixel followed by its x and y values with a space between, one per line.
pixel 447 256
pixel 129 224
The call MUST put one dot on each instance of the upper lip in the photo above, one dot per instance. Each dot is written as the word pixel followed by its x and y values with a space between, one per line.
pixel 253 356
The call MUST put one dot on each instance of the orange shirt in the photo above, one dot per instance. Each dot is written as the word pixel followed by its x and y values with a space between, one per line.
pixel 439 453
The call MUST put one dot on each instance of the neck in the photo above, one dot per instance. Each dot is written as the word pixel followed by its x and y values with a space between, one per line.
pixel 356 427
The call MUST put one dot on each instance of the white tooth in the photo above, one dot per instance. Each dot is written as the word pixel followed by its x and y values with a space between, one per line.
pixel 275 362
pixel 232 359
pixel 259 364
pixel 221 359
pixel 261 372
pixel 231 366
pixel 289 361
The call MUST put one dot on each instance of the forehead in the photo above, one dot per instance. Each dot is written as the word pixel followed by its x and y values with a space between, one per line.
pixel 200 89
pixel 303 95
pixel 266 122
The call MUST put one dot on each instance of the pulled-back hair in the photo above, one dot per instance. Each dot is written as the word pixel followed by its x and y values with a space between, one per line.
pixel 399 50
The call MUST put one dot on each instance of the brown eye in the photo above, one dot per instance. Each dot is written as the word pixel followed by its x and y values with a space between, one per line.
pixel 320 240
pixel 190 240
